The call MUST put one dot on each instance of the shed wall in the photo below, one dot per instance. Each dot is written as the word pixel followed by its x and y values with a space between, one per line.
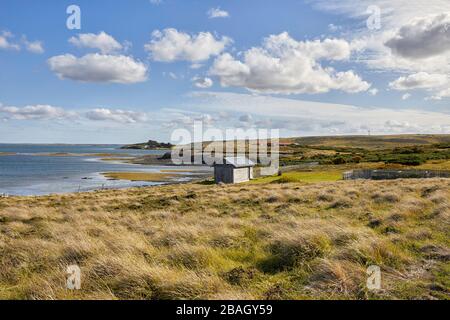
pixel 223 174
pixel 241 175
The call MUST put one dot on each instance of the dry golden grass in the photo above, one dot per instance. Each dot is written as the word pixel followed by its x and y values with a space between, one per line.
pixel 267 241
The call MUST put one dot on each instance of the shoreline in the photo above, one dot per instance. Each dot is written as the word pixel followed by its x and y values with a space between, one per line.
pixel 124 189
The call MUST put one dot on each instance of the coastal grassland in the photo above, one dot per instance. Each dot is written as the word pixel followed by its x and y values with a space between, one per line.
pixel 373 142
pixel 267 241
pixel 404 150
pixel 299 176
pixel 141 176
pixel 435 165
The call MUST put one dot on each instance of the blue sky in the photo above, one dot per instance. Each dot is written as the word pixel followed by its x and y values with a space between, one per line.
pixel 138 70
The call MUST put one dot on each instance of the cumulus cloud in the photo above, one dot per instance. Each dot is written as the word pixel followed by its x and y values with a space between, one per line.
pixel 5 41
pixel 121 116
pixel 171 45
pixel 36 112
pixel 102 41
pixel 286 66
pixel 98 68
pixel 217 13
pixel 420 80
pixel 414 35
pixel 423 37
pixel 202 83
pixel 34 46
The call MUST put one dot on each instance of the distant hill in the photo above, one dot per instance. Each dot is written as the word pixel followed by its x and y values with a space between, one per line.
pixel 371 142
pixel 149 145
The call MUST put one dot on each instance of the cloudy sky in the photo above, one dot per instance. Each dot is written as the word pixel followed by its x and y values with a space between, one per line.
pixel 137 70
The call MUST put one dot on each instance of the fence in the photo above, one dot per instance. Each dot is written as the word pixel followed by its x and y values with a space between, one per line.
pixel 395 174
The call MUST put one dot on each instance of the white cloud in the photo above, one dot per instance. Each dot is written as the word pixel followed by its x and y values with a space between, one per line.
pixel 406 96
pixel 98 68
pixel 156 2
pixel 31 46
pixel 120 116
pixel 316 118
pixel 36 112
pixel 445 93
pixel 34 46
pixel 102 41
pixel 420 80
pixel 334 28
pixel 171 45
pixel 5 42
pixel 217 13
pixel 196 66
pixel 414 35
pixel 393 13
pixel 48 112
pixel 284 65
pixel 395 125
pixel 202 83
pixel 373 91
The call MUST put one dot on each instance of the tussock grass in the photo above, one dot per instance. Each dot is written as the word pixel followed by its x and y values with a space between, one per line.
pixel 266 241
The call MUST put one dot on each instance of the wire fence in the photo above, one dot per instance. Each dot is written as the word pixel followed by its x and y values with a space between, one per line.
pixel 395 174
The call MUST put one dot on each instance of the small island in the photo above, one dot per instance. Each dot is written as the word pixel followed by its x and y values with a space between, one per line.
pixel 149 145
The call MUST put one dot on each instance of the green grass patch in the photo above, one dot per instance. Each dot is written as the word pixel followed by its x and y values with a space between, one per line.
pixel 295 176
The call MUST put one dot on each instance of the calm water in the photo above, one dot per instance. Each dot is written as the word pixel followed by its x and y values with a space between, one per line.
pixel 30 172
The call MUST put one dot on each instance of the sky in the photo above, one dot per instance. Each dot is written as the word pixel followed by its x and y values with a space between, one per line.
pixel 122 71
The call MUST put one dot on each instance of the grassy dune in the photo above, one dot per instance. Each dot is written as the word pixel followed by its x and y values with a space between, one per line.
pixel 269 241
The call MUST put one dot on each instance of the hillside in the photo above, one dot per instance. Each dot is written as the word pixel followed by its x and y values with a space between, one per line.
pixel 397 150
pixel 267 241
pixel 372 142
pixel 150 145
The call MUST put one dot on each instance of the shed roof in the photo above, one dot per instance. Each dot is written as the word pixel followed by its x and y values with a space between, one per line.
pixel 238 162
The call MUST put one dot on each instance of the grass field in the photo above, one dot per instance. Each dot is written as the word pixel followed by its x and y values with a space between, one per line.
pixel 296 176
pixel 278 240
pixel 140 176
pixel 372 142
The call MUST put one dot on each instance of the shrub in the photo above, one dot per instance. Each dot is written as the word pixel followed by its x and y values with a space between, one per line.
pixel 288 252
pixel 357 159
pixel 339 160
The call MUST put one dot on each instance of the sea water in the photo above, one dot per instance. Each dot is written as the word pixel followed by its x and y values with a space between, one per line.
pixel 30 170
